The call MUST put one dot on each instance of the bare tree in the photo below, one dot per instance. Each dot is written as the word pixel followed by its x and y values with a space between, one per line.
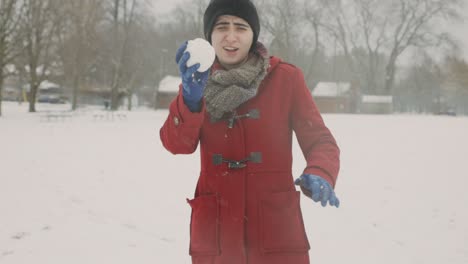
pixel 389 27
pixel 421 88
pixel 456 83
pixel 10 14
pixel 136 36
pixel 457 73
pixel 183 23
pixel 134 69
pixel 282 20
pixel 78 42
pixel 123 18
pixel 291 30
pixel 314 16
pixel 39 30
pixel 338 28
pixel 189 15
pixel 373 26
pixel 358 28
pixel 413 24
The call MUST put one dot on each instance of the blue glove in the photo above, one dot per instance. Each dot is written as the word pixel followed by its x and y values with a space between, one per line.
pixel 193 82
pixel 317 189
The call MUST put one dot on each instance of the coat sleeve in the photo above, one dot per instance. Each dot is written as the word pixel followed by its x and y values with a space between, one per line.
pixel 315 139
pixel 180 133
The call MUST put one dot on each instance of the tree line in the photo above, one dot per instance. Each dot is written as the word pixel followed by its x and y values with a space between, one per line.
pixel 388 47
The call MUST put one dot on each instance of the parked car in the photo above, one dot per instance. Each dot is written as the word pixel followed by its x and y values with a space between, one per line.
pixel 448 113
pixel 52 99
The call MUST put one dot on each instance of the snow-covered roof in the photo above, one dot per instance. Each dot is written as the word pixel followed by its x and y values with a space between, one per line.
pixel 170 84
pixel 331 89
pixel 47 85
pixel 388 99
pixel 10 68
pixel 39 69
pixel 9 89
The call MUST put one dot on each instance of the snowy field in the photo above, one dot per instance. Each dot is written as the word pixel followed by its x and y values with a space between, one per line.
pixel 95 188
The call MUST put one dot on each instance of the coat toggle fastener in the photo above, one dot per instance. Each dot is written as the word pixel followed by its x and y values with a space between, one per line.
pixel 255 157
pixel 254 114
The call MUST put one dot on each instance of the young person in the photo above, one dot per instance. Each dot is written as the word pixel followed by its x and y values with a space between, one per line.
pixel 243 113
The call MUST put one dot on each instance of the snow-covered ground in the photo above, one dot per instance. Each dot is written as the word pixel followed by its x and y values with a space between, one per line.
pixel 93 188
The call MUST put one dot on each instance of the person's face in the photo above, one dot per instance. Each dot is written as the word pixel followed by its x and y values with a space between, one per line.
pixel 231 38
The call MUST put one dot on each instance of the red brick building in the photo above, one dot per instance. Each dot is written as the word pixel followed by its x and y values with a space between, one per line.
pixel 167 91
pixel 335 97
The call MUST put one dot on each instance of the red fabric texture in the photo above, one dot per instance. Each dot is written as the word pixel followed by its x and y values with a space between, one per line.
pixel 252 215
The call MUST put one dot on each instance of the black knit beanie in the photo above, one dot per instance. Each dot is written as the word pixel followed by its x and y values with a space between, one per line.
pixel 239 8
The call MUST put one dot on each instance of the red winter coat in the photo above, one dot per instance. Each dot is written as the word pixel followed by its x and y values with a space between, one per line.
pixel 249 212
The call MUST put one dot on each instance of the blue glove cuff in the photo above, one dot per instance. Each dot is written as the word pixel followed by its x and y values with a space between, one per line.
pixel 193 106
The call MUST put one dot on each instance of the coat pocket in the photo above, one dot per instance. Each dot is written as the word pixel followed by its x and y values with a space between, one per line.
pixel 281 224
pixel 204 226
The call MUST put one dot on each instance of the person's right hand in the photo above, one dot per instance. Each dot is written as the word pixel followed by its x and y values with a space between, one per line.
pixel 193 82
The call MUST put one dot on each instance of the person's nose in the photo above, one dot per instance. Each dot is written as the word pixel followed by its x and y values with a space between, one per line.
pixel 231 36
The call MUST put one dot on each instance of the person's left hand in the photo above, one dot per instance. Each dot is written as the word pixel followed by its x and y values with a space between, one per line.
pixel 318 189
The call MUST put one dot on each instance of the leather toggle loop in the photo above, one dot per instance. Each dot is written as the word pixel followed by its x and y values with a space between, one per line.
pixel 253 114
pixel 255 157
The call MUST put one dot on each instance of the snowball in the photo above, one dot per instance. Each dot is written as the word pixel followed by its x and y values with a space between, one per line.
pixel 201 52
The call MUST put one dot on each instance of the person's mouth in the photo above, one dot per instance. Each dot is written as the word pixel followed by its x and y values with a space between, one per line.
pixel 231 49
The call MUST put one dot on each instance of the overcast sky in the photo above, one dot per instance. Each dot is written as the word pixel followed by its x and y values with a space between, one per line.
pixel 163 6
pixel 461 30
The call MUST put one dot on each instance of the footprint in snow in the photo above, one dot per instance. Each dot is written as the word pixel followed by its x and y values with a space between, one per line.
pixel 7 253
pixel 20 235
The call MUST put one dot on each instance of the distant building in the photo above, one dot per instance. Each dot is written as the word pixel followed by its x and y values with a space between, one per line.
pixel 11 94
pixel 95 95
pixel 168 90
pixel 11 87
pixel 376 104
pixel 335 97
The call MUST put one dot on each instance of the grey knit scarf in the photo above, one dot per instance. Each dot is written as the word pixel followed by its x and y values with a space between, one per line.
pixel 226 90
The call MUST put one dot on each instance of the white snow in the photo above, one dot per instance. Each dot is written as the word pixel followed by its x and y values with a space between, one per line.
pixel 331 89
pixel 47 85
pixel 103 190
pixel 10 68
pixel 201 52
pixel 377 99
pixel 170 84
